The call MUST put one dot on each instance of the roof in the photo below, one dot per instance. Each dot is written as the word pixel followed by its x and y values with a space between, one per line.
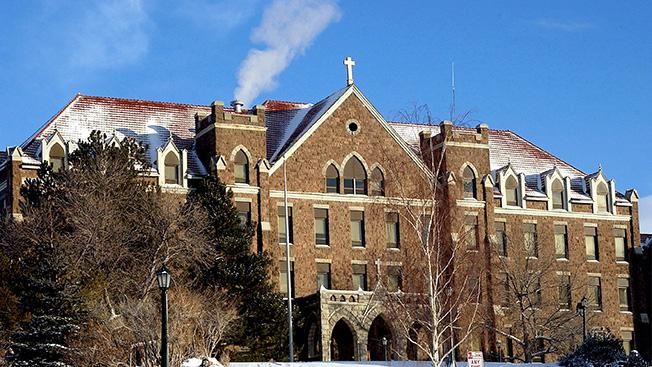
pixel 150 122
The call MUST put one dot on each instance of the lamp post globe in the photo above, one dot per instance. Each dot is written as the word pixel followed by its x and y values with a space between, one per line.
pixel 163 278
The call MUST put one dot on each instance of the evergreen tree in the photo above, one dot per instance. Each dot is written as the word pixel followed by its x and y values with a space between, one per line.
pixel 601 348
pixel 244 274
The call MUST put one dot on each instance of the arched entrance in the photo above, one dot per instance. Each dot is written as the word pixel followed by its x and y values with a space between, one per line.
pixel 380 340
pixel 342 343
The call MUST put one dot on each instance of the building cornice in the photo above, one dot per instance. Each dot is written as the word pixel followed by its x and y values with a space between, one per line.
pixel 561 214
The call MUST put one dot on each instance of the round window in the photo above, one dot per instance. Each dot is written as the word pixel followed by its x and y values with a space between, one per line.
pixel 353 127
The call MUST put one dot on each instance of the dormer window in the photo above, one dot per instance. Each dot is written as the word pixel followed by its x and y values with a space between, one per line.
pixel 557 195
pixel 241 169
pixel 355 177
pixel 511 191
pixel 332 179
pixel 377 182
pixel 171 170
pixel 602 198
pixel 469 183
pixel 57 158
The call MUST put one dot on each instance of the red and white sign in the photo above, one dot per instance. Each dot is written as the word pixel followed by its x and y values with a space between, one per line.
pixel 475 359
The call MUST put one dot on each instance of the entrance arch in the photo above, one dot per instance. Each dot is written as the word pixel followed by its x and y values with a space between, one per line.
pixel 342 342
pixel 380 340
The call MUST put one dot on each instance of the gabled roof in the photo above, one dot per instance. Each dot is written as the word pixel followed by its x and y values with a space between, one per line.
pixel 147 121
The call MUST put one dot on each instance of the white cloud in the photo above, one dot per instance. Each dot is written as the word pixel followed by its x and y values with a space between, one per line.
pixel 566 26
pixel 110 34
pixel 288 27
pixel 221 16
pixel 645 214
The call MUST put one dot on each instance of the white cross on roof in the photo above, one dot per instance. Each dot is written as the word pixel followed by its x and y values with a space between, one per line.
pixel 349 70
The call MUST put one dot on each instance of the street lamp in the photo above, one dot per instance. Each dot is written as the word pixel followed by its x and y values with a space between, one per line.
pixel 385 347
pixel 581 309
pixel 163 277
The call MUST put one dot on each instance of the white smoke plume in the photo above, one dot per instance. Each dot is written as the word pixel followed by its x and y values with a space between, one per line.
pixel 287 28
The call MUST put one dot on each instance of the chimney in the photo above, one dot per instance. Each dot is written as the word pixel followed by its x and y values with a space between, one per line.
pixel 237 105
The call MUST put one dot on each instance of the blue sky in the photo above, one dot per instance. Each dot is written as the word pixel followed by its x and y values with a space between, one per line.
pixel 575 77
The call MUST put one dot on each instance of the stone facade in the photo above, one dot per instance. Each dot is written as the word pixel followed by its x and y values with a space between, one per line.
pixel 302 140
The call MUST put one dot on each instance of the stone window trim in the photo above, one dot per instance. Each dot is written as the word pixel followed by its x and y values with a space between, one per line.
pixel 53 141
pixel 249 160
pixel 503 178
pixel 552 183
pixel 181 156
pixel 377 187
pixel 474 193
pixel 352 126
pixel 361 181
pixel 331 164
pixel 598 185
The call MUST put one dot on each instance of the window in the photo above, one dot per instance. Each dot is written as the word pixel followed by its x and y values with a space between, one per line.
pixel 530 240
pixel 564 292
pixel 534 289
pixel 469 183
pixel 591 243
pixel 620 239
pixel 394 279
pixel 471 232
pixel 557 195
pixel 561 241
pixel 357 228
pixel 392 227
pixel 355 177
pixel 628 340
pixel 503 278
pixel 623 294
pixel 425 222
pixel 244 212
pixel 321 227
pixel 281 224
pixel 241 167
pixel 283 278
pixel 332 180
pixel 511 191
pixel 323 275
pixel 359 276
pixel 501 238
pixel 377 182
pixel 602 198
pixel 172 169
pixel 475 291
pixel 595 293
pixel 57 158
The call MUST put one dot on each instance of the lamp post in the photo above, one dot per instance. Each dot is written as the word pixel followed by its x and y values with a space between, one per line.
pixel 385 347
pixel 163 277
pixel 581 309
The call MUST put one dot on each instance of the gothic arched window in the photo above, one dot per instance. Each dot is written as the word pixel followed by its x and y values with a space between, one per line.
pixel 355 177
pixel 602 198
pixel 469 183
pixel 172 169
pixel 57 158
pixel 241 167
pixel 557 195
pixel 377 184
pixel 332 179
pixel 511 191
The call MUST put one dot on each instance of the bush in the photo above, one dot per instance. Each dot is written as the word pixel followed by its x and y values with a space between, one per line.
pixel 601 349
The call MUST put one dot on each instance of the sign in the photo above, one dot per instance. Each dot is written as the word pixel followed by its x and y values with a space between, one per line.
pixel 475 359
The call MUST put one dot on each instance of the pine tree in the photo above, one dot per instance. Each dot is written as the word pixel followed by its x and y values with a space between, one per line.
pixel 52 309
pixel 244 274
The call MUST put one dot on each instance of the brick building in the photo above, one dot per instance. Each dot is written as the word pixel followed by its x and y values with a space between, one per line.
pixel 345 167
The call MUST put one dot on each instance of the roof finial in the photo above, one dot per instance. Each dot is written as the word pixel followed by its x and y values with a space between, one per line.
pixel 599 167
pixel 349 70
pixel 170 138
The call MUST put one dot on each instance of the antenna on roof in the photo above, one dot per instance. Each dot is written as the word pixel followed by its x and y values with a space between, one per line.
pixel 452 91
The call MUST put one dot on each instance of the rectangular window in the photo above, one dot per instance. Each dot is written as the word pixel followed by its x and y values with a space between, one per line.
pixel 628 341
pixel 357 228
pixel 561 241
pixel 591 243
pixel 475 289
pixel 471 232
pixel 595 293
pixel 359 276
pixel 564 292
pixel 171 173
pixel 623 294
pixel 534 289
pixel 332 185
pixel 425 221
pixel 323 275
pixel 283 278
pixel 244 212
pixel 392 229
pixel 394 278
pixel 620 239
pixel 530 239
pixel 321 227
pixel 281 224
pixel 503 278
pixel 501 238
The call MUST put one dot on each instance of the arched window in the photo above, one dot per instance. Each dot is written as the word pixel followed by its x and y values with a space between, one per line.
pixel 602 198
pixel 57 158
pixel 377 182
pixel 469 183
pixel 332 179
pixel 511 191
pixel 241 163
pixel 355 177
pixel 172 169
pixel 557 195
